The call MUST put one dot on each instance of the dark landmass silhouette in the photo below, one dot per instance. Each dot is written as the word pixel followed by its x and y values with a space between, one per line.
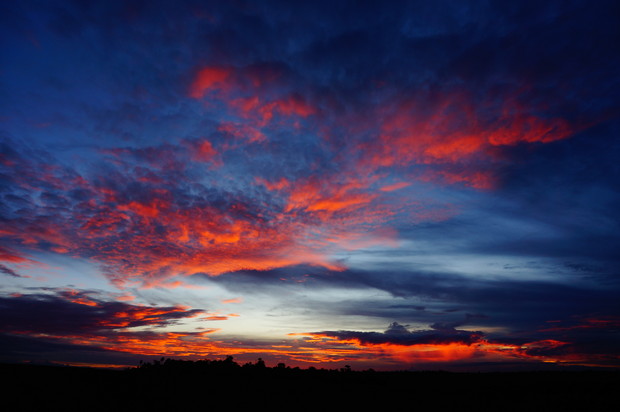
pixel 215 384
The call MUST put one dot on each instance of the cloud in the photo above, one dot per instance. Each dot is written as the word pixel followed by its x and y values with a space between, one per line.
pixel 67 320
pixel 397 334
pixel 7 255
pixel 209 78
pixel 82 325
pixel 70 311
pixel 8 271
pixel 177 226
pixel 351 148
pixel 401 345
pixel 447 344
pixel 456 159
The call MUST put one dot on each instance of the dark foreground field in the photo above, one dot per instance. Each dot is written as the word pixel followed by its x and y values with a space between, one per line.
pixel 217 385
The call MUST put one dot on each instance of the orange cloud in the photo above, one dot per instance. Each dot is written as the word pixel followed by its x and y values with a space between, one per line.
pixel 125 298
pixel 395 186
pixel 410 353
pixel 353 349
pixel 78 297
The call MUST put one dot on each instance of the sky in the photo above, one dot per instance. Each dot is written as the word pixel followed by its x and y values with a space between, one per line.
pixel 390 185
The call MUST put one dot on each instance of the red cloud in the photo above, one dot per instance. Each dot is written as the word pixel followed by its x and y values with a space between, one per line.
pixel 168 224
pixel 203 151
pixel 242 132
pixel 207 79
pixel 326 195
pixel 250 100
pixel 8 255
pixel 455 138
pixel 295 105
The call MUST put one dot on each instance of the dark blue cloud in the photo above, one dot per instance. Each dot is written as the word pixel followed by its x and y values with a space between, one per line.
pixel 398 334
pixel 69 311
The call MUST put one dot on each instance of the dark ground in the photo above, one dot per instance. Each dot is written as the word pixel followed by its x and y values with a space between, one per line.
pixel 216 385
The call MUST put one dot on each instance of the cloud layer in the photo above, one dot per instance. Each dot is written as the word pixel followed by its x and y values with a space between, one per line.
pixel 346 165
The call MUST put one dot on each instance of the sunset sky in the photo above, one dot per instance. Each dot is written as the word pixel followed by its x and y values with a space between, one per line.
pixel 389 185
